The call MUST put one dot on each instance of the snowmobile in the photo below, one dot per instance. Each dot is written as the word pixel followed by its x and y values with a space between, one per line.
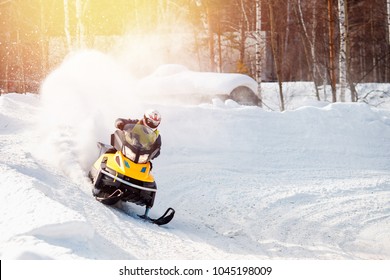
pixel 123 170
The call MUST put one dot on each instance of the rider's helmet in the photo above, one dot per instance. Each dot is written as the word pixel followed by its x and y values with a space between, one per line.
pixel 152 118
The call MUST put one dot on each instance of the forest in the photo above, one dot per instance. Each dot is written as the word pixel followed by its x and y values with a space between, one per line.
pixel 340 43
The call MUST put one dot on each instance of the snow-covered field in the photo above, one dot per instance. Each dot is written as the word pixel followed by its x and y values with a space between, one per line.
pixel 309 183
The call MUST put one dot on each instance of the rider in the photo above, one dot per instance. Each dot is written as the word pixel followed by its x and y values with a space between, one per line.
pixel 151 119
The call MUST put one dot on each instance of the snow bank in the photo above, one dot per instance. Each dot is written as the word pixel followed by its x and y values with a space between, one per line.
pixel 309 137
pixel 176 81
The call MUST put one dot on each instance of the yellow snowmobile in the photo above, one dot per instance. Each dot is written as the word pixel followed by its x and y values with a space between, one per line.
pixel 123 170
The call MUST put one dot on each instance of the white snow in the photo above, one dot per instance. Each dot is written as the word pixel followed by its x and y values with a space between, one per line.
pixel 312 182
pixel 175 80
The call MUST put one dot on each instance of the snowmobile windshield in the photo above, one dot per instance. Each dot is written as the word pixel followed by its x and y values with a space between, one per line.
pixel 139 140
pixel 140 137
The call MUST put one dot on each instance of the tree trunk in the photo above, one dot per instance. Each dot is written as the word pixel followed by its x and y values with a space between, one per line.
pixel 7 61
pixel 332 56
pixel 388 20
pixel 277 53
pixel 343 49
pixel 258 52
pixel 243 29
pixel 308 47
pixel 387 71
pixel 349 77
pixel 80 25
pixel 287 34
pixel 211 39
pixel 43 40
pixel 21 75
pixel 219 45
pixel 67 25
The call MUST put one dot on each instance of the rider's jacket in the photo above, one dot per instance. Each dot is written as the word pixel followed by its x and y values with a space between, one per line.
pixel 121 124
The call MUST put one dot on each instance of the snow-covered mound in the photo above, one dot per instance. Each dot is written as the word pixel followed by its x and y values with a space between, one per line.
pixel 246 183
pixel 175 83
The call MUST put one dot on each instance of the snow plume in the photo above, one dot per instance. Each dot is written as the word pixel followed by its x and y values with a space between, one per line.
pixel 143 53
pixel 80 102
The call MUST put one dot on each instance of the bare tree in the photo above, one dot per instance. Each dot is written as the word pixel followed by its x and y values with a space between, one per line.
pixel 332 55
pixel 80 29
pixel 387 74
pixel 343 48
pixel 277 48
pixel 67 25
pixel 308 44
pixel 243 29
pixel 22 76
pixel 388 19
pixel 258 51
pixel 43 41
pixel 210 30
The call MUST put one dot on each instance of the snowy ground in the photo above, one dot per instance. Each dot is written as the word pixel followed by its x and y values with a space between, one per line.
pixel 246 183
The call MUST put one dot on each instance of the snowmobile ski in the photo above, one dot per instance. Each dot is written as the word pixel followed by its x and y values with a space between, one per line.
pixel 163 220
pixel 116 197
